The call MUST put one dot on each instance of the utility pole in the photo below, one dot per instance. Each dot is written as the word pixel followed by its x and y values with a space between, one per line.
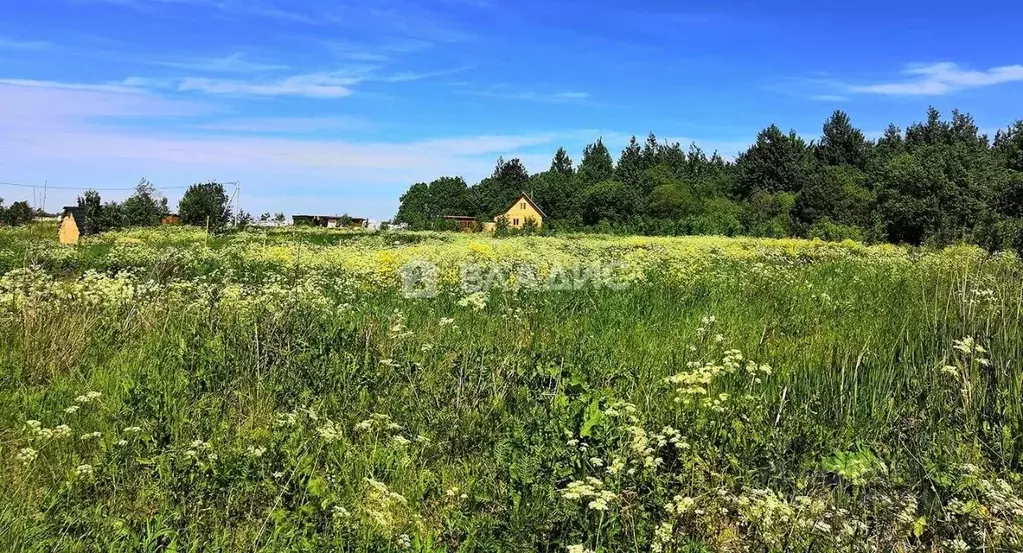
pixel 236 200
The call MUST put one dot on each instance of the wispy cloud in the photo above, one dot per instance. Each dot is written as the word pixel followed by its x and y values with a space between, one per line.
pixel 44 103
pixel 404 18
pixel 234 63
pixel 408 76
pixel 287 125
pixel 383 49
pixel 7 43
pixel 335 84
pixel 532 96
pixel 828 98
pixel 310 85
pixel 937 79
pixel 88 133
pixel 127 87
pixel 324 84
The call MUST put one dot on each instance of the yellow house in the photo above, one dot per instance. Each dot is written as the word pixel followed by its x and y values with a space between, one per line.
pixel 524 209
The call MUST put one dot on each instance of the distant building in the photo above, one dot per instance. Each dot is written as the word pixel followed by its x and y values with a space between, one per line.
pixel 329 221
pixel 171 219
pixel 72 225
pixel 270 223
pixel 522 210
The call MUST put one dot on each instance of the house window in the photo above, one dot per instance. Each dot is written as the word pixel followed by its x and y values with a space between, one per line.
pixel 515 221
pixel 522 205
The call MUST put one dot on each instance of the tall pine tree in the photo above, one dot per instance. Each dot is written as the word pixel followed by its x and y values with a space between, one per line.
pixel 596 166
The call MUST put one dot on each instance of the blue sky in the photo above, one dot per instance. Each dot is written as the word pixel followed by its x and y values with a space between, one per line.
pixel 339 106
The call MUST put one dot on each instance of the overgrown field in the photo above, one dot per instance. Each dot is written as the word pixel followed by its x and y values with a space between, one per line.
pixel 306 390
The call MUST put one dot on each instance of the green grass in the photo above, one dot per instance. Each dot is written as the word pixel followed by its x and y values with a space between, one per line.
pixel 266 372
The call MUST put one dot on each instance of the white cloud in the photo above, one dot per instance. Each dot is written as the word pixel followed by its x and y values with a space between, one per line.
pixel 127 87
pixel 311 85
pixel 500 92
pixel 324 84
pixel 67 125
pixel 234 63
pixel 335 84
pixel 937 79
pixel 408 76
pixel 32 102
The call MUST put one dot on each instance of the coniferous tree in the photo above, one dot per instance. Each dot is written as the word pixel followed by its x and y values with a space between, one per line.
pixel 1009 145
pixel 596 166
pixel 672 157
pixel 562 164
pixel 938 182
pixel 775 163
pixel 630 167
pixel 652 152
pixel 95 220
pixel 841 143
pixel 495 193
pixel 696 160
pixel 932 133
pixel 554 189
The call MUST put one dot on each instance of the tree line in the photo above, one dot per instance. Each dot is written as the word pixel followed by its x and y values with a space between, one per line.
pixel 203 204
pixel 936 182
pixel 19 213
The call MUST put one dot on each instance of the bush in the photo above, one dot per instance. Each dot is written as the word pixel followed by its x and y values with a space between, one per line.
pixel 20 213
pixel 834 232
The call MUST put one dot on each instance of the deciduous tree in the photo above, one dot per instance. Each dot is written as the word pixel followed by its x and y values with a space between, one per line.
pixel 205 204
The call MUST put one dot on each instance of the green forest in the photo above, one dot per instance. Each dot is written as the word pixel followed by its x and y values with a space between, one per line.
pixel 936 182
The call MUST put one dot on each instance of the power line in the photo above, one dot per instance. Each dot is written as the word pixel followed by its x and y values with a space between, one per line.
pixel 22 185
pixel 44 186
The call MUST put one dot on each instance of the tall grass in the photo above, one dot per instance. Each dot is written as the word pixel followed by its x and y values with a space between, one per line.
pixel 247 401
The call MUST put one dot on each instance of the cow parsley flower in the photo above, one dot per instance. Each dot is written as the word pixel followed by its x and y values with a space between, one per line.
pixel 26 455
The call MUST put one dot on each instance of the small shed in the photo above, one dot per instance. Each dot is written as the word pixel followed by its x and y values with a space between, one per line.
pixel 72 225
pixel 465 223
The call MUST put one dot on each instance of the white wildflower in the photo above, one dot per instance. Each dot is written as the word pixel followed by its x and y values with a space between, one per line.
pixel 26 455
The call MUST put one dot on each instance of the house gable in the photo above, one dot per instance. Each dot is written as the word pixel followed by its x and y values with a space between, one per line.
pixel 524 208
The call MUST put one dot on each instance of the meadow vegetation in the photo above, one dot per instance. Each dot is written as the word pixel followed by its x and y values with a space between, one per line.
pixel 282 390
